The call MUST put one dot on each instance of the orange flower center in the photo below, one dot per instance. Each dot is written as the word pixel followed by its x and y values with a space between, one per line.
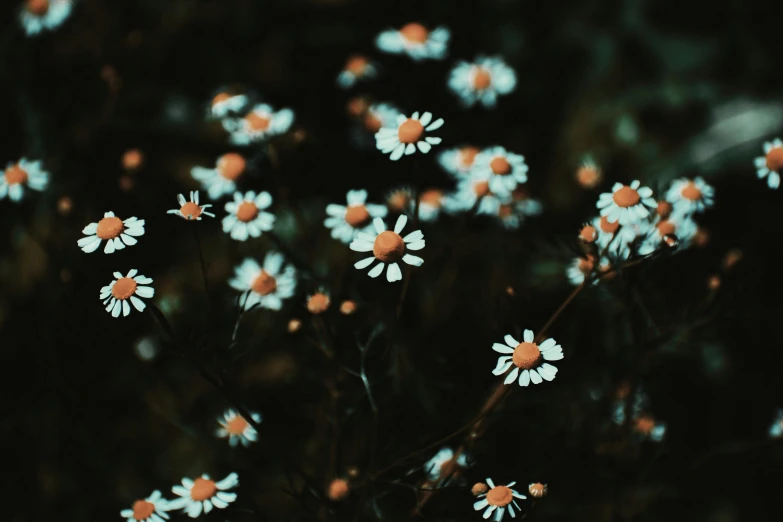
pixel 481 188
pixel 478 488
pixel 124 288
pixel 588 234
pixel 142 510
pixel 526 355
pixel 257 122
pixel 109 228
pixel 664 209
pixel 264 283
pixel 665 228
pixel 15 175
pixel 372 123
pixel 645 424
pixel 432 197
pixel 691 192
pixel 607 227
pixel 388 247
pixel 410 131
pixel 318 303
pixel 414 32
pixel 203 489
pixel 220 98
pixel 500 496
pixel 500 166
pixel 626 197
pixel 231 166
pixel 398 200
pixel 505 211
pixel 586 265
pixel 481 79
pixel 467 156
pixel 236 426
pixel 775 159
pixel 338 489
pixel 348 307
pixel 356 65
pixel 357 216
pixel 132 159
pixel 247 211
pixel 537 489
pixel 588 176
pixel 190 210
pixel 38 7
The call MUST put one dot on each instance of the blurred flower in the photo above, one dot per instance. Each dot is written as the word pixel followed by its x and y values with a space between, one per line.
pixel 407 135
pixel 116 296
pixel 579 269
pixel 357 106
pixel 588 234
pixel 713 282
pixel 237 429
pixel 518 207
pixel 682 227
pixel 356 68
pixel 415 40
pixel 203 493
pixel 338 490
pixel 64 205
pixel 664 209
pixel 37 15
pixel 689 196
pixel 190 210
pixel 527 358
pixel 504 170
pixel 388 247
pixel 626 204
pixel 537 489
pixel 225 104
pixel 588 175
pixel 647 427
pixel 776 429
pixel 267 286
pixel 458 161
pixel 116 232
pixel 318 302
pixel 482 81
pixel 346 221
pixel 379 115
pixel 19 175
pixel 731 258
pixel 294 325
pixel 430 204
pixel 478 489
pixel 150 509
pixel 770 165
pixel 246 217
pixel 222 179
pixel 126 183
pixel 398 199
pixel 472 191
pixel 444 465
pixel 146 348
pixel 498 499
pixel 132 160
pixel 259 124
pixel 348 307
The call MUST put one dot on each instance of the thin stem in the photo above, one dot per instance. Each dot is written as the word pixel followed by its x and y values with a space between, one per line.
pixel 201 260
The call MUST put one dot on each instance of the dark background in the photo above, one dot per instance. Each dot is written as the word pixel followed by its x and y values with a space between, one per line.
pixel 654 90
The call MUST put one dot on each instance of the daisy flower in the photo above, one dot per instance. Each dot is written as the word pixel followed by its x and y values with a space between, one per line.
pixel 234 427
pixel 458 161
pixel 688 196
pixel 407 134
pixel 150 509
pixel 203 493
pixel 443 465
pixel 471 191
pixel 318 302
pixel 626 204
pixel 647 427
pixel 115 297
pixel 582 267
pixel 415 40
pixel 345 221
pixel 267 285
pixel 356 68
pixel 504 170
pixel 116 232
pixel 771 163
pixel 221 180
pixel 430 204
pixel 499 499
pixel 378 116
pixel 537 490
pixel 225 104
pixel 776 430
pixel 246 216
pixel 520 206
pixel 260 123
pixel 482 81
pixel 388 247
pixel 19 175
pixel 682 227
pixel 190 210
pixel 398 199
pixel 588 175
pixel 527 358
pixel 37 15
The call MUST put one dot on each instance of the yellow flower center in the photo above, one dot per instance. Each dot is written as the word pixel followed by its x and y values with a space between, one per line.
pixel 500 496
pixel 356 65
pixel 500 166
pixel 247 211
pixel 190 210
pixel 231 166
pixel 38 7
pixel 264 284
pixel 109 228
pixel 203 489
pixel 237 425
pixel 775 159
pixel 691 192
pixel 124 288
pixel 645 424
pixel 414 32
pixel 526 355
pixel 432 197
pixel 257 122
pixel 607 227
pixel 142 510
pixel 410 131
pixel 664 209
pixel 357 216
pixel 15 175
pixel 665 228
pixel 626 197
pixel 481 79
pixel 388 247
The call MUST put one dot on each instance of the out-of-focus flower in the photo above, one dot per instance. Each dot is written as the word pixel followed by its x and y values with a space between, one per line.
pixel 116 295
pixel 473 191
pixel 528 359
pixel 132 160
pixel 503 169
pixel 64 205
pixel 649 428
pixel 444 465
pixel 318 302
pixel 237 429
pixel 519 206
pixel 579 269
pixel 190 210
pixel 294 325
pixel 499 499
pixel 348 307
pixel 21 175
pixel 478 488
pixel 227 104
pixel 776 429
pixel 378 116
pixel 357 106
pixel 345 221
pixel 430 204
pixel 416 41
pixel 116 232
pixel 338 490
pixel 626 204
pixel 261 123
pixel 771 163
pixel 458 161
pixel 357 68
pixel 398 199
pixel 388 247
pixel 588 234
pixel 407 135
pixel 267 286
pixel 588 175
pixel 664 209
pixel 682 227
pixel 690 196
pixel 246 216
pixel 203 493
pixel 731 258
pixel 39 15
pixel 222 179
pixel 537 490
pixel 713 282
pixel 150 509
pixel 482 81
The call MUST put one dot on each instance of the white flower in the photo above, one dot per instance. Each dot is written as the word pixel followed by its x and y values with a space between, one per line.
pixel 504 170
pixel 473 190
pixel 527 359
pixel 579 269
pixel 37 15
pixel 246 216
pixel 116 232
pixel 379 115
pixel 430 205
pixel 482 81
pixel 115 297
pixel 776 429
pixel 267 286
pixel 388 247
pixel 626 204
pixel 407 134
pixel 203 493
pixel 237 429
pixel 770 164
pixel 519 206
pixel 498 499
pixel 415 40
pixel 688 196
pixel 444 466
pixel 260 123
pixel 458 161
pixel 680 226
pixel 589 174
pixel 225 104
pixel 190 210
pixel 356 68
pixel 19 175
pixel 357 216
pixel 647 427
pixel 150 509
pixel 398 199
pixel 222 179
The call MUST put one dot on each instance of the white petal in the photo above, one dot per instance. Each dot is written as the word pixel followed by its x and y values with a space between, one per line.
pixel 502 348
pixel 528 336
pixel 535 377
pixel 524 378
pixel 412 260
pixel 401 221
pixel 511 377
pixel 364 263
pixel 379 225
pixel 376 271
pixel 511 341
pixel 393 273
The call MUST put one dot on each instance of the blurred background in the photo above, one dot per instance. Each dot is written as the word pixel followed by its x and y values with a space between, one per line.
pixel 97 411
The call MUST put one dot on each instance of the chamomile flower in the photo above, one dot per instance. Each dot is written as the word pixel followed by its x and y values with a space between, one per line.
pixel 680 226
pixel 588 175
pixel 474 192
pixel 499 499
pixel 39 15
pixel 528 359
pixel 458 161
pixel 444 465
pixel 357 68
pixel 537 490
pixel 267 285
pixel 261 123
pixel 770 165
pixel 203 493
pixel 388 247
pixel 378 116
pixel 430 205
pixel 227 104
pixel 582 267
pixel 519 206
pixel 408 134
pixel 482 81
pixel 689 196
pixel 150 509
pixel 115 231
pixel 626 204
pixel 647 427
pixel 190 210
pixel 21 175
pixel 398 199
pixel 221 179
pixel 246 216
pixel 318 302
pixel 116 295
pixel 416 41
pixel 776 429
pixel 503 169
pixel 346 221
pixel 236 429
